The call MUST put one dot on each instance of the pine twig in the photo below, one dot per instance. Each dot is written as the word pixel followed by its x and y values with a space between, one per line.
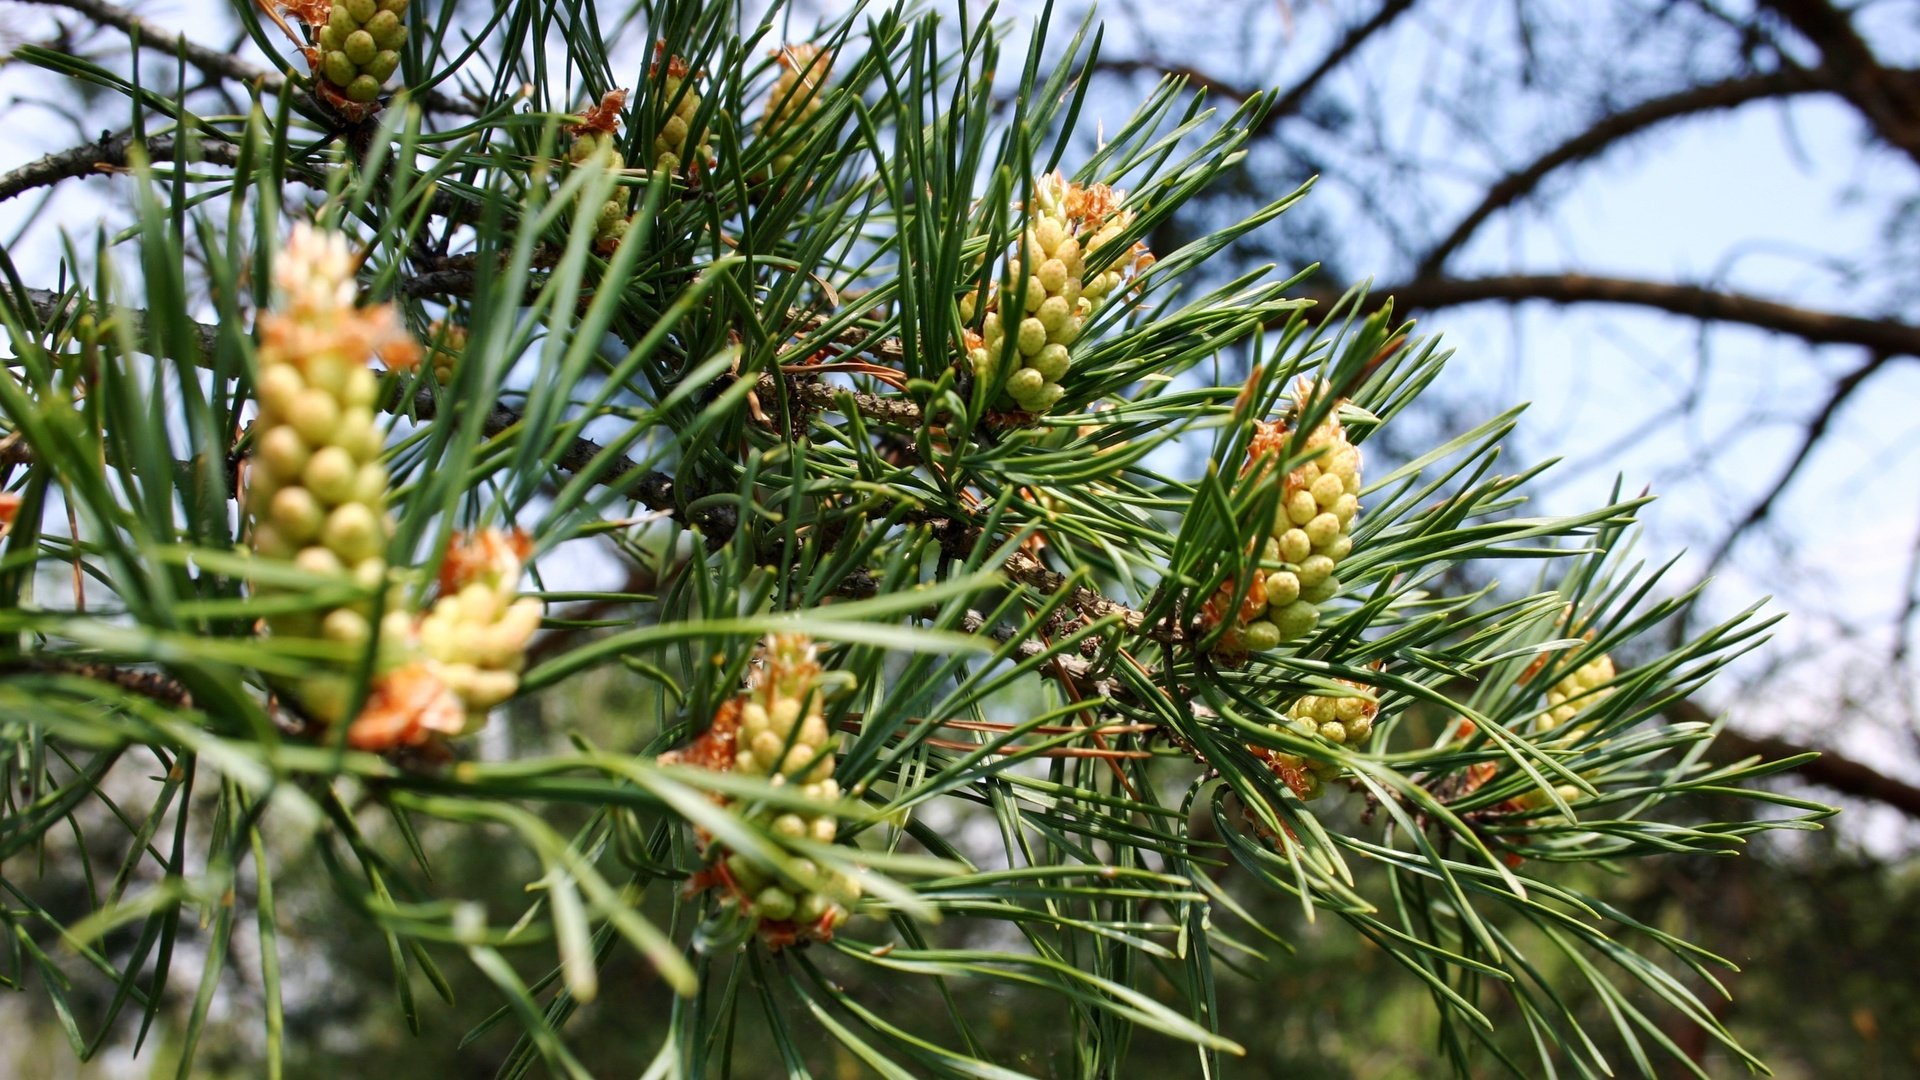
pixel 214 62
pixel 109 153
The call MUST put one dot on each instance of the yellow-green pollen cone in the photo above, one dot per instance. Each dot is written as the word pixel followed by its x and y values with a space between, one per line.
pixel 1066 223
pixel 359 46
pixel 316 492
pixel 783 736
pixel 475 635
pixel 797 95
pixel 778 731
pixel 446 343
pixel 1341 720
pixel 1301 551
pixel 678 144
pixel 1568 700
pixel 1576 692
pixel 1481 773
pixel 595 143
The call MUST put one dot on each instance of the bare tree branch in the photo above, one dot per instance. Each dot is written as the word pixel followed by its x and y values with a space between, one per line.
pixel 1613 128
pixel 1194 76
pixel 1889 98
pixel 1889 336
pixel 1840 393
pixel 1903 623
pixel 1289 103
pixel 1829 770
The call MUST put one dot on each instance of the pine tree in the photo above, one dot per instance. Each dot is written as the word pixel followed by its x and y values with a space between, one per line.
pixel 1010 601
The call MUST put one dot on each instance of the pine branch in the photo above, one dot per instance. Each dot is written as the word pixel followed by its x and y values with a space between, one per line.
pixel 1088 601
pixel 150 684
pixel 1825 768
pixel 213 62
pixel 886 350
pixel 50 306
pixel 458 282
pixel 855 506
pixel 109 153
pixel 653 489
pixel 887 410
